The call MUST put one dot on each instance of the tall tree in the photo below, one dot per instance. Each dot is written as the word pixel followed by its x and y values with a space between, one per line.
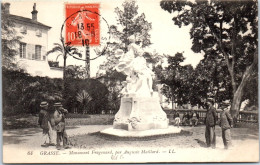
pixel 211 79
pixel 10 40
pixel 131 24
pixel 63 51
pixel 176 79
pixel 226 28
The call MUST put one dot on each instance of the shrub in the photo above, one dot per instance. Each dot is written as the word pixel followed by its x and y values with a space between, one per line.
pixel 95 89
pixel 23 93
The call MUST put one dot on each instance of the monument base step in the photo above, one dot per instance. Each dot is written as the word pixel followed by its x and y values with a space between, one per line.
pixel 145 133
pixel 141 126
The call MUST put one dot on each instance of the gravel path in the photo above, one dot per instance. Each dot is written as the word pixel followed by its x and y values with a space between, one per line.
pixel 187 146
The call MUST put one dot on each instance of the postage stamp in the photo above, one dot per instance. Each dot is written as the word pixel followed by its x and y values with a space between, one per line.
pixel 129 81
pixel 82 24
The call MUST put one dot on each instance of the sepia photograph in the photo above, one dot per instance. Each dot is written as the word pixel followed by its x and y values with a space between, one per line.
pixel 129 81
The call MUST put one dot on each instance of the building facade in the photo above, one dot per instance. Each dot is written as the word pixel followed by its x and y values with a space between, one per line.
pixel 33 45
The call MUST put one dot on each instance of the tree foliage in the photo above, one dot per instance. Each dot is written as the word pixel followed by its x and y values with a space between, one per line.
pixel 10 40
pixel 76 72
pixel 177 79
pixel 93 102
pixel 130 23
pixel 63 52
pixel 23 93
pixel 226 30
pixel 211 80
pixel 133 24
pixel 84 99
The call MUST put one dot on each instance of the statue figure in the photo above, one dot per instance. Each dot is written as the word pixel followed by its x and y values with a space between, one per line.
pixel 134 66
pixel 140 108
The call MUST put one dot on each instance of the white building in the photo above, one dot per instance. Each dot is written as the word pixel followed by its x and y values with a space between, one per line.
pixel 33 45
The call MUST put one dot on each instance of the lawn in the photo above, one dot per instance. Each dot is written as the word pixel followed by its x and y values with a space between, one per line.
pixel 31 121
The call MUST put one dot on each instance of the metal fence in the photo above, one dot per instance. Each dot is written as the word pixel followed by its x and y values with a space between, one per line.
pixel 248 117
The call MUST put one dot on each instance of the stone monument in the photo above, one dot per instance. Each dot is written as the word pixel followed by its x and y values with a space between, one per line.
pixel 140 108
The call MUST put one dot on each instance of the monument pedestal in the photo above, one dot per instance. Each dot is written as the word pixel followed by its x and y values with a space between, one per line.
pixel 139 114
pixel 171 130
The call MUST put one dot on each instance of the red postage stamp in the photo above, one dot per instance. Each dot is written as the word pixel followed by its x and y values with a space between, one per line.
pixel 82 24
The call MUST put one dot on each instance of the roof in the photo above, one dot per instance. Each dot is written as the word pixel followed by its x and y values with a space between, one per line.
pixel 27 20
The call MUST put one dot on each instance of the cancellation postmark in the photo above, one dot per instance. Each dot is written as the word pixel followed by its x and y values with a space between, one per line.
pixel 82 25
pixel 82 28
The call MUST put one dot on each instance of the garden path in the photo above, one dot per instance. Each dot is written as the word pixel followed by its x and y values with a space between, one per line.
pixel 187 147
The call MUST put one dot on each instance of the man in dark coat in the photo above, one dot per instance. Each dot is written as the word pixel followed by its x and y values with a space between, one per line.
pixel 210 121
pixel 45 124
pixel 226 122
pixel 59 119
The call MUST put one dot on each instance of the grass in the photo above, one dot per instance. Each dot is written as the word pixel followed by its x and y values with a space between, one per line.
pixel 77 115
pixel 19 121
pixel 31 121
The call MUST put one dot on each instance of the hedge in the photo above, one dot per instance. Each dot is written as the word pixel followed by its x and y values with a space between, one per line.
pixel 23 93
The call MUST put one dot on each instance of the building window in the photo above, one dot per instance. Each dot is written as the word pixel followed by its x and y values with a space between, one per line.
pixel 23 30
pixel 22 50
pixel 38 33
pixel 38 52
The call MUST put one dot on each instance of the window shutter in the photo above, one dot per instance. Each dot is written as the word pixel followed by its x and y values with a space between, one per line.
pixel 23 30
pixel 38 33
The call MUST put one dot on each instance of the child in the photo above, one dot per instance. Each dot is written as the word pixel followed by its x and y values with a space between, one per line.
pixel 45 124
pixel 59 118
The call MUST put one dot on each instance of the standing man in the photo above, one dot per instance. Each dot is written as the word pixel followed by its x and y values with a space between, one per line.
pixel 226 122
pixel 45 124
pixel 59 118
pixel 210 121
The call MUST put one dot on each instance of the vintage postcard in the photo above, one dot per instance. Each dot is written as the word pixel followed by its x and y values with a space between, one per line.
pixel 129 81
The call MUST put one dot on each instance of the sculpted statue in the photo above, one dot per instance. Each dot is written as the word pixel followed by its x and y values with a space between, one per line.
pixel 139 75
pixel 140 108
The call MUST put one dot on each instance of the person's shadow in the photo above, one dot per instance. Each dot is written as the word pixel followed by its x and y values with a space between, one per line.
pixel 201 143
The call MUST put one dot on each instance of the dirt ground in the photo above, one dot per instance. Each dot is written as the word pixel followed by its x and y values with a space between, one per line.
pixel 188 146
pixel 190 137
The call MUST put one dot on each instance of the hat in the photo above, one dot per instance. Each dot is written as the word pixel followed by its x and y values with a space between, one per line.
pixel 225 103
pixel 211 100
pixel 44 104
pixel 58 104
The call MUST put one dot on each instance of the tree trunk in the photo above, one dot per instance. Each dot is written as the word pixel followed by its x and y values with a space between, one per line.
pixel 64 66
pixel 235 107
pixel 233 83
pixel 87 62
pixel 172 100
pixel 64 74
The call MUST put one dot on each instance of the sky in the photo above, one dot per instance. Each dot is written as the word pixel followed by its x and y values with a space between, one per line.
pixel 166 37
